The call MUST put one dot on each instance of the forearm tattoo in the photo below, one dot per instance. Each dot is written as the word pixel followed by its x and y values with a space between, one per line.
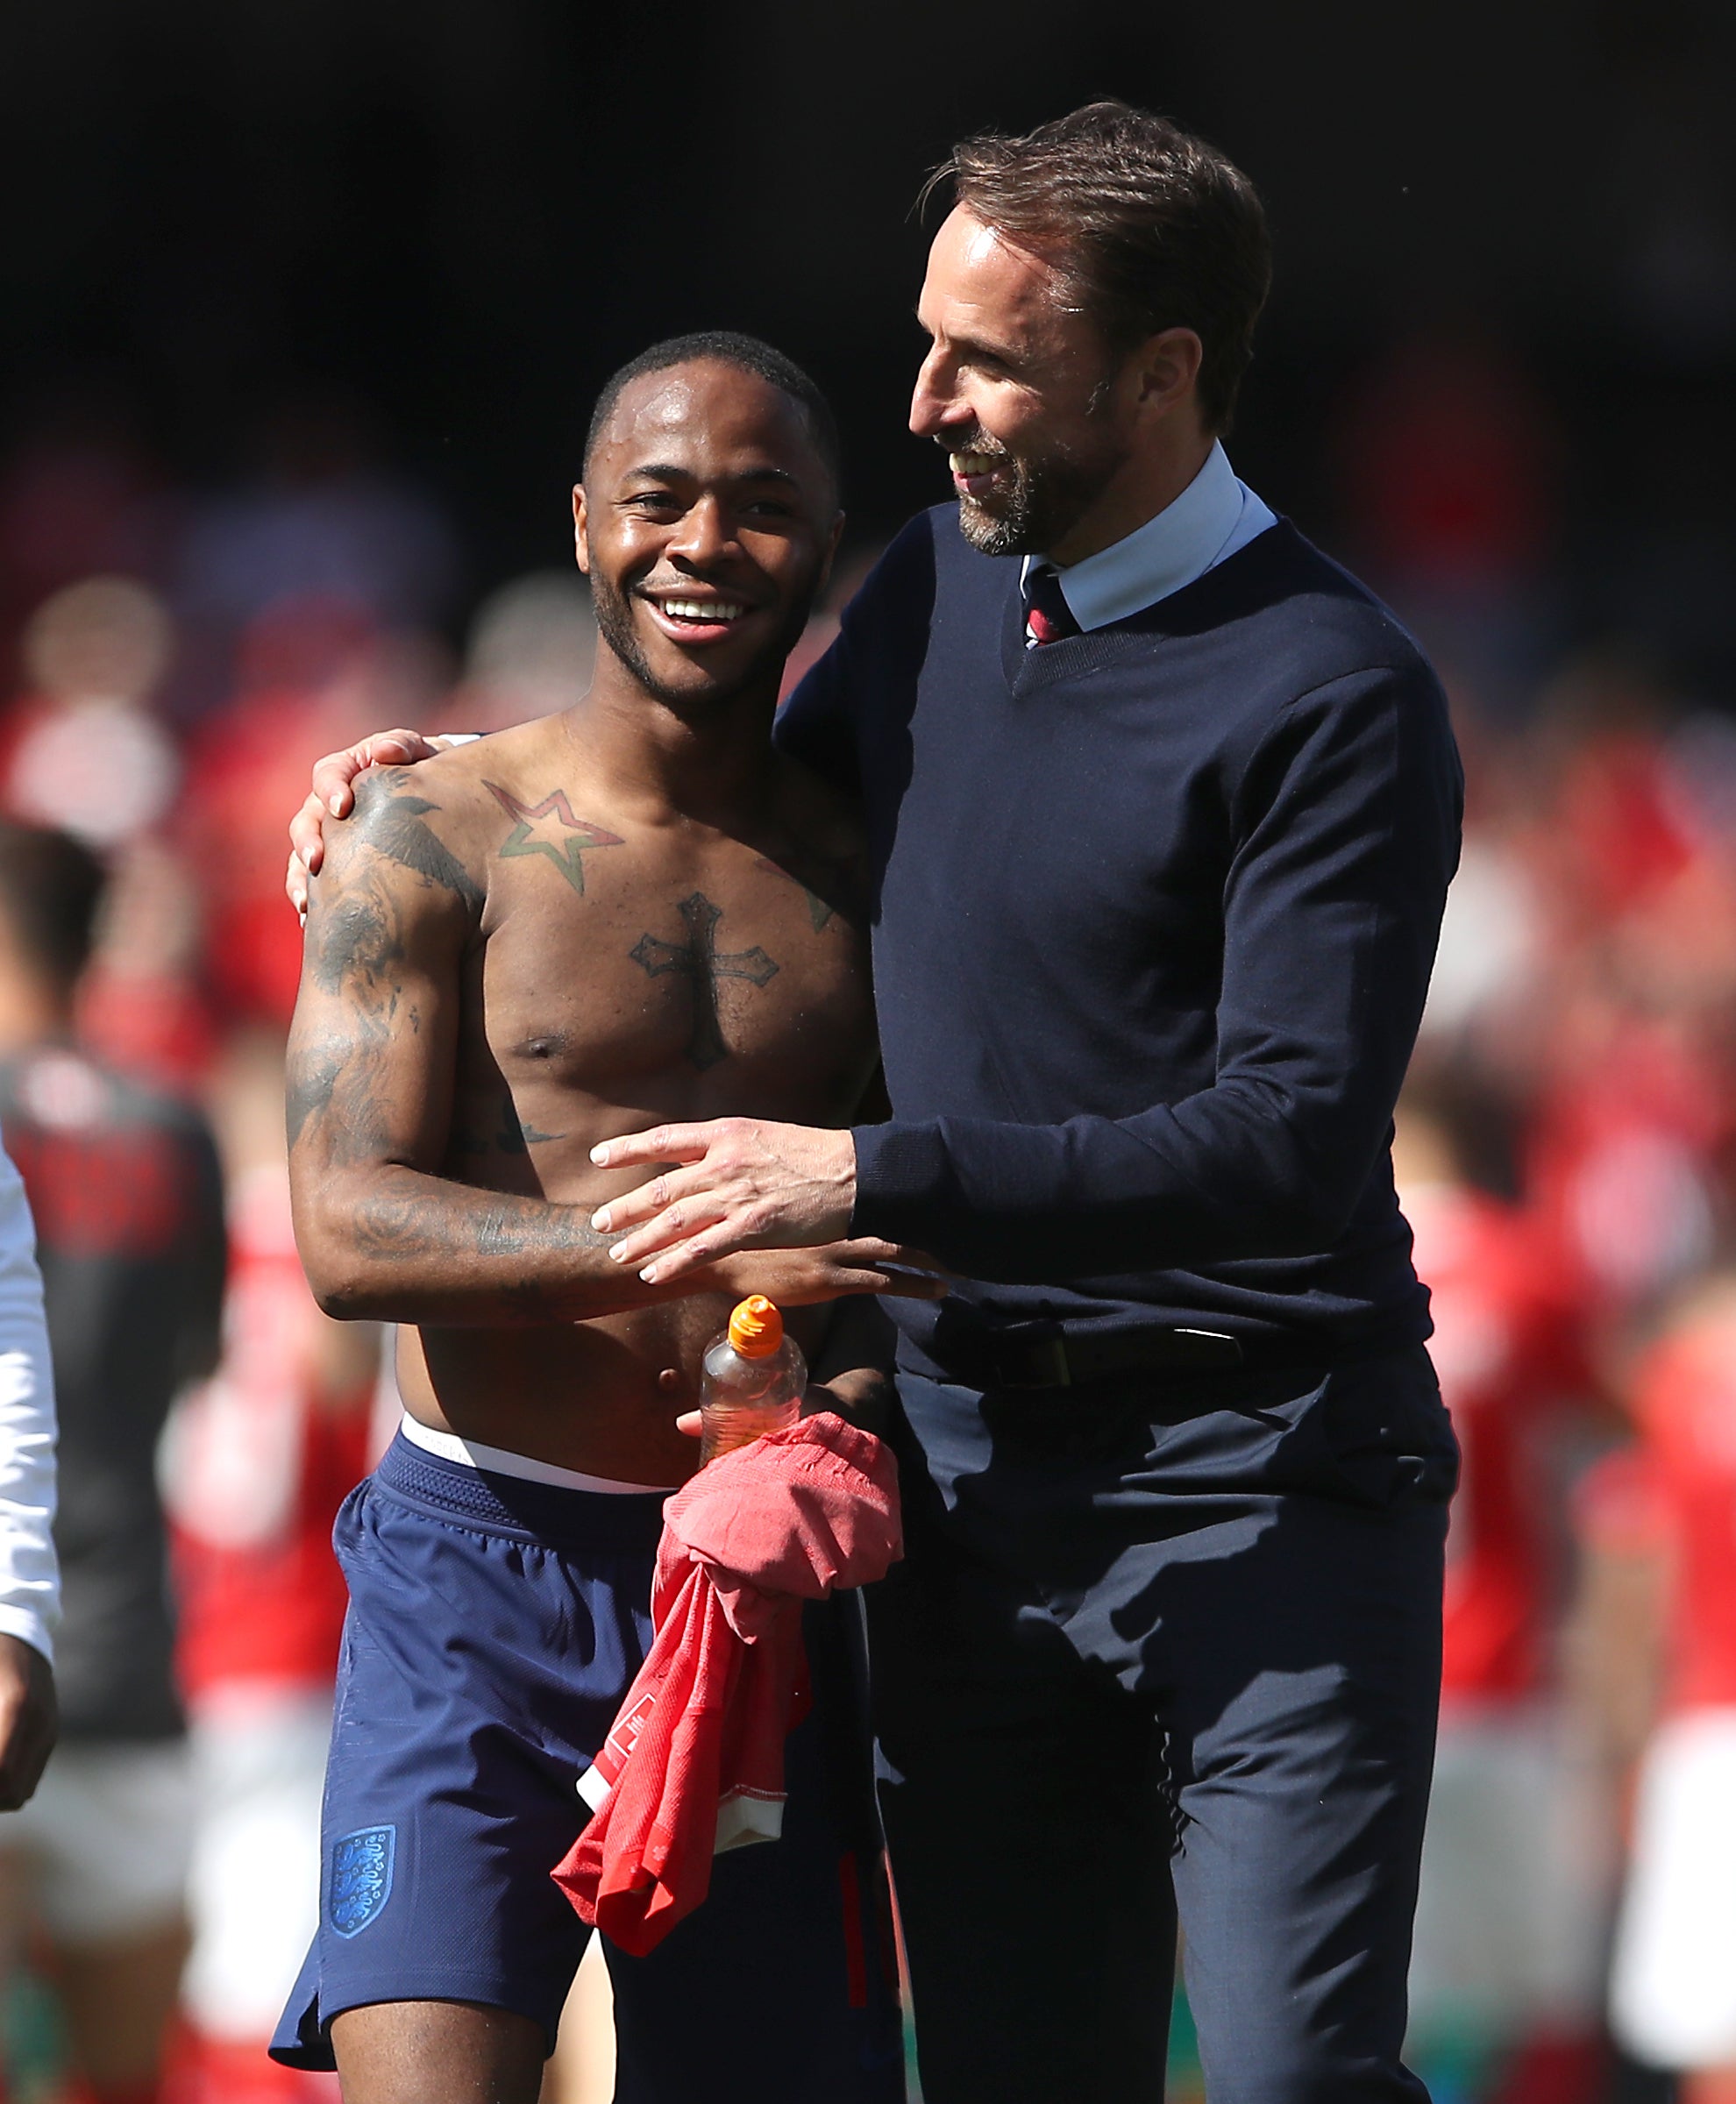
pixel 408 1227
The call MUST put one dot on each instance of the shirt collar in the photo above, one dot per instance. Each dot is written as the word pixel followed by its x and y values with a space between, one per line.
pixel 1185 539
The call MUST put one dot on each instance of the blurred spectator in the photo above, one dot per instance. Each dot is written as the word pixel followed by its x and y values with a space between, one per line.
pixel 1448 461
pixel 1504 1973
pixel 84 749
pixel 1673 1997
pixel 1633 1092
pixel 78 498
pixel 86 753
pixel 143 1006
pixel 257 1461
pixel 532 647
pixel 311 675
pixel 124 1186
pixel 1585 1004
pixel 324 522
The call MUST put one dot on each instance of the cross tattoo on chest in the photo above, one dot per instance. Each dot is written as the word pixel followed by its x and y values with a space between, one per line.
pixel 701 963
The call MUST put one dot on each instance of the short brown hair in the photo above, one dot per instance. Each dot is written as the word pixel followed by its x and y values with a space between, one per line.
pixel 1152 228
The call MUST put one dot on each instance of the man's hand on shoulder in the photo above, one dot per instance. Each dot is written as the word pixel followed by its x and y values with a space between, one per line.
pixel 750 1185
pixel 29 1720
pixel 333 794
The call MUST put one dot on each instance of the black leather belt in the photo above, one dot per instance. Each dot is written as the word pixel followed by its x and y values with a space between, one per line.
pixel 1043 1354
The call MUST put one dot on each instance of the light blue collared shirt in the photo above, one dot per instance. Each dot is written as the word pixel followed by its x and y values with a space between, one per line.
pixel 1214 516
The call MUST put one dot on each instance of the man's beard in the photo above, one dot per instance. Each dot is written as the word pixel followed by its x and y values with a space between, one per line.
pixel 1041 501
pixel 614 626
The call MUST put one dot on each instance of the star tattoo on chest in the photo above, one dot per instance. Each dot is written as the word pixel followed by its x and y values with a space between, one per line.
pixel 550 829
pixel 703 964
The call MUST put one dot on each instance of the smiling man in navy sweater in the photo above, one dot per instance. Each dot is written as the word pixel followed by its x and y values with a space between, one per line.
pixel 1164 807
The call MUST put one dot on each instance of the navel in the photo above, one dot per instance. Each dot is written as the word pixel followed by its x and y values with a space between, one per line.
pixel 547 1045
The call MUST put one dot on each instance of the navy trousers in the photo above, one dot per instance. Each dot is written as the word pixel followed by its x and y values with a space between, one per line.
pixel 1159 1648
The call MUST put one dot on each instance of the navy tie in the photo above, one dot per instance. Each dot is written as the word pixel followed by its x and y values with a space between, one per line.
pixel 1048 616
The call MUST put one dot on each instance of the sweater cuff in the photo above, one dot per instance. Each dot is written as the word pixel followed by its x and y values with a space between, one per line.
pixel 901 1171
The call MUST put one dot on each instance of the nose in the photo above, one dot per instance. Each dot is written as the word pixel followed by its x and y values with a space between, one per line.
pixel 704 534
pixel 934 403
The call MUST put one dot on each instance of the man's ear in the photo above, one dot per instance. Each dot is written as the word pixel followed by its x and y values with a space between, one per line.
pixel 581 536
pixel 1168 369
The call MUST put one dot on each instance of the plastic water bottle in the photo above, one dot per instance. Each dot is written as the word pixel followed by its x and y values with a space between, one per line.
pixel 752 1380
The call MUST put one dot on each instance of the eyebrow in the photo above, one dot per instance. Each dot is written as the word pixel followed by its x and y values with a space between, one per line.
pixel 662 471
pixel 1007 353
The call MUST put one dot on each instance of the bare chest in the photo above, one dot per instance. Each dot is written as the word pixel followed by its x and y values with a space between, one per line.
pixel 720 976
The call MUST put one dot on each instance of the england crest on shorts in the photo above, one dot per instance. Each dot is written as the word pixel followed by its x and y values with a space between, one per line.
pixel 361 1877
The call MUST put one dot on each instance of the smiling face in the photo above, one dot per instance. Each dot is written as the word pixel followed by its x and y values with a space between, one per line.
pixel 1032 407
pixel 706 521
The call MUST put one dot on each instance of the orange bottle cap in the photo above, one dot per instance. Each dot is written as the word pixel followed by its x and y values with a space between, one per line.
pixel 756 1327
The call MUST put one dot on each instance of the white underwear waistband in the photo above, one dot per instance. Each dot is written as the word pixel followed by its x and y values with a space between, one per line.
pixel 496 1461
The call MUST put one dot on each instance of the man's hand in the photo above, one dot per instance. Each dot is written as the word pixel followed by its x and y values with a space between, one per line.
pixel 332 795
pixel 29 1720
pixel 799 1278
pixel 862 1397
pixel 751 1185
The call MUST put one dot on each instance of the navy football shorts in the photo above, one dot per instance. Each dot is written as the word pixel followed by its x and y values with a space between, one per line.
pixel 495 1625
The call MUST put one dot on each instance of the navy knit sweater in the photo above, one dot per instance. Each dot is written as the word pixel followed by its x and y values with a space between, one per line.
pixel 1156 911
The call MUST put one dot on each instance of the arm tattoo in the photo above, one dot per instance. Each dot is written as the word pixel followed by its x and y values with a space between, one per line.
pixel 550 829
pixel 356 953
pixel 703 964
pixel 390 821
pixel 310 1082
pixel 356 938
pixel 409 1228
pixel 336 1084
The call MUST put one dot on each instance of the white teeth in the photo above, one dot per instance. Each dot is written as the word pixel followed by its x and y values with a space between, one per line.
pixel 702 609
pixel 970 464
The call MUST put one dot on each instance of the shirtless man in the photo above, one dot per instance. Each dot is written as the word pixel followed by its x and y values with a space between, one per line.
pixel 627 912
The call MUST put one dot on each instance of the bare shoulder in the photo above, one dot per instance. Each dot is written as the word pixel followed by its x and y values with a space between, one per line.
pixel 389 880
pixel 500 771
pixel 426 820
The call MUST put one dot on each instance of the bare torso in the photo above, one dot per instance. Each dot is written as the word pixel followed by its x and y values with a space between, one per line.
pixel 623 973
